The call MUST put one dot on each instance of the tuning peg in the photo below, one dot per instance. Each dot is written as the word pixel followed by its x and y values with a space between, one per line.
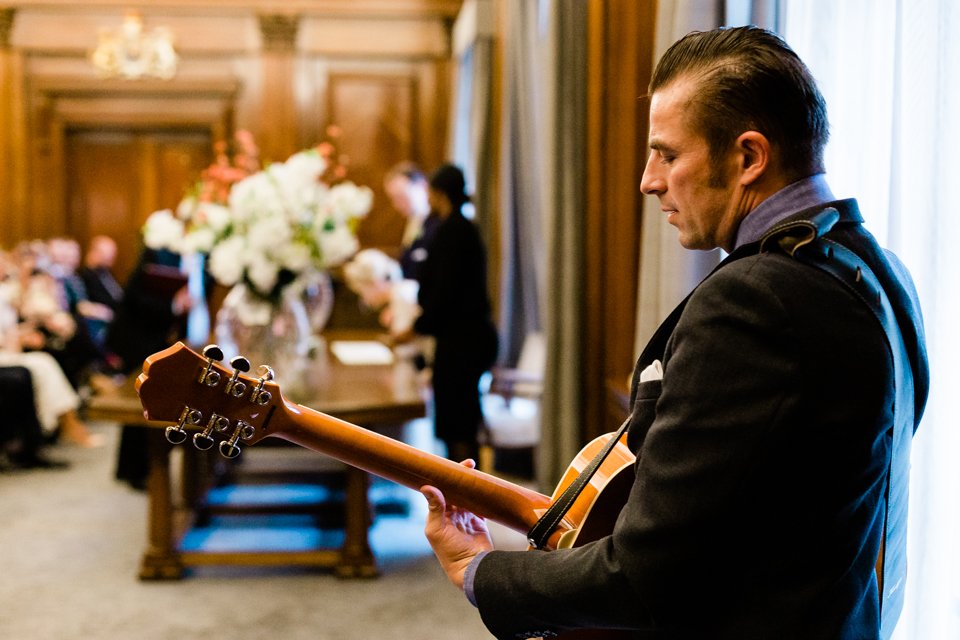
pixel 209 376
pixel 188 417
pixel 229 448
pixel 213 352
pixel 202 440
pixel 259 396
pixel 234 386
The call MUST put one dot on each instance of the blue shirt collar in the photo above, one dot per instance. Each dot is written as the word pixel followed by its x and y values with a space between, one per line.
pixel 802 194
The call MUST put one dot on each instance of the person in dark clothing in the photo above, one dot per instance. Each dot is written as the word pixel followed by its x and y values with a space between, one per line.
pixel 101 287
pixel 455 311
pixel 150 318
pixel 21 436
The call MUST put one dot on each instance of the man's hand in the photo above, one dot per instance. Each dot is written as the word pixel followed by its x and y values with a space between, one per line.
pixel 456 535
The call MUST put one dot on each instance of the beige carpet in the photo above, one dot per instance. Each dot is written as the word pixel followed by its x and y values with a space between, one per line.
pixel 70 545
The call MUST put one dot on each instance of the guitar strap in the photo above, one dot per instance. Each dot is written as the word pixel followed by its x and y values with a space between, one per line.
pixel 804 240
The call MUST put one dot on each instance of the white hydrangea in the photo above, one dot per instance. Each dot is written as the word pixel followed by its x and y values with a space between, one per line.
pixel 269 233
pixel 281 218
pixel 227 261
pixel 295 256
pixel 163 230
pixel 337 246
pixel 348 201
pixel 216 216
pixel 199 240
pixel 262 272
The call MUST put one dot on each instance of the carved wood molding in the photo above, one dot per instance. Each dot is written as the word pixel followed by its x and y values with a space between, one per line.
pixel 279 31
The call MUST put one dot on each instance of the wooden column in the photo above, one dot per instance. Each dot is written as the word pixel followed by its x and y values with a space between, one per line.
pixel 620 58
pixel 13 172
pixel 278 119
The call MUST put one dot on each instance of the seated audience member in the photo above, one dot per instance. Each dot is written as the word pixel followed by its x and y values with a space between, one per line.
pixel 82 355
pixel 36 296
pixel 21 436
pixel 103 291
pixel 55 400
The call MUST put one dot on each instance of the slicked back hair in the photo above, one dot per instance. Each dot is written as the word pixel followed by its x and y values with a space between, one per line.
pixel 748 78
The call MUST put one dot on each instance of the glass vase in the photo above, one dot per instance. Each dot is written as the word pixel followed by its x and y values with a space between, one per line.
pixel 278 333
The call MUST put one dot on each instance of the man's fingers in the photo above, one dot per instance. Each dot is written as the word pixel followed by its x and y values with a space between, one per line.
pixel 435 501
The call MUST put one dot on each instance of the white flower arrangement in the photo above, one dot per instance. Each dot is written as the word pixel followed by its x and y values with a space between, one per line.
pixel 276 230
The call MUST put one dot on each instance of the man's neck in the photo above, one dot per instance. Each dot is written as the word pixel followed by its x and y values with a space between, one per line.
pixel 802 194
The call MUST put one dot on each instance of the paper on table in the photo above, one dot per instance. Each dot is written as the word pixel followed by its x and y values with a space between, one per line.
pixel 361 352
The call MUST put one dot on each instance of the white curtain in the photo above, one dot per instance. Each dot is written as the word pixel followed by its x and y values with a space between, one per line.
pixel 890 72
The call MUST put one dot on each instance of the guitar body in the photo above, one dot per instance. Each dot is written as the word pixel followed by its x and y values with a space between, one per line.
pixel 595 510
pixel 204 399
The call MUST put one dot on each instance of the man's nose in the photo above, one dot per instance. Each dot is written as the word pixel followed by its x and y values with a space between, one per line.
pixel 652 182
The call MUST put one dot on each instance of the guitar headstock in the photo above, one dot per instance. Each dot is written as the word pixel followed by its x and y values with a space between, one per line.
pixel 194 391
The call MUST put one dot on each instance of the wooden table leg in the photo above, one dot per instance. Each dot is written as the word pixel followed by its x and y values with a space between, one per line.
pixel 161 560
pixel 356 557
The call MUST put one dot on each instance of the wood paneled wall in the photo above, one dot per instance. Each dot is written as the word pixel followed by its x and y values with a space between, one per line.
pixel 282 70
pixel 620 50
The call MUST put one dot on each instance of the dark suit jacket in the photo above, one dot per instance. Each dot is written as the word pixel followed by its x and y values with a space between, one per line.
pixel 456 312
pixel 101 287
pixel 757 507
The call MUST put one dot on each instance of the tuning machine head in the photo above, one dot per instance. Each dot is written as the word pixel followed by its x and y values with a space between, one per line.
pixel 209 376
pixel 176 434
pixel 235 386
pixel 204 440
pixel 243 431
pixel 259 395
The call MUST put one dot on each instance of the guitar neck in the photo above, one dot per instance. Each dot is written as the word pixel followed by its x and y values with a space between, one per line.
pixel 504 502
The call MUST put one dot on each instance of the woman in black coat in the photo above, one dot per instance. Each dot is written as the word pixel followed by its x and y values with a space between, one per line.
pixel 456 312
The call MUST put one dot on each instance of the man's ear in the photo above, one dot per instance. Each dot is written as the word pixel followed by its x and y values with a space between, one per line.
pixel 754 153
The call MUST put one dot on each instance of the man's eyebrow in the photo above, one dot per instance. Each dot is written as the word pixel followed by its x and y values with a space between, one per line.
pixel 659 145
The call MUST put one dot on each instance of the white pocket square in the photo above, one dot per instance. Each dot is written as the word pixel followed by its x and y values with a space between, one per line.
pixel 654 371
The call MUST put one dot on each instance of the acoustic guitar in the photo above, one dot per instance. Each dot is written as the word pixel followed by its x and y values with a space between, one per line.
pixel 216 406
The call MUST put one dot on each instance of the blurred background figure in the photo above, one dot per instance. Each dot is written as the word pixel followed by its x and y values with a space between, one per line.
pixel 21 436
pixel 406 186
pixel 79 355
pixel 455 311
pixel 152 316
pixel 389 285
pixel 23 336
pixel 101 287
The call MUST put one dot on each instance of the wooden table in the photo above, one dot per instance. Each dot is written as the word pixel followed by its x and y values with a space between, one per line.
pixel 369 395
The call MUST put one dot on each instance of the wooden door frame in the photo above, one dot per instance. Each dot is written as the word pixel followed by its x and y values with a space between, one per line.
pixel 59 104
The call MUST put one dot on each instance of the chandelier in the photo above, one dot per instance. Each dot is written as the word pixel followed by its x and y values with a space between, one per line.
pixel 130 52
